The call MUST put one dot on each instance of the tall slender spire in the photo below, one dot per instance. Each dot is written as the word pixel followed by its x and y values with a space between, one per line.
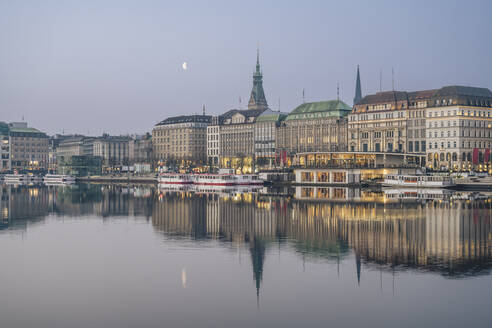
pixel 257 99
pixel 358 91
pixel 258 59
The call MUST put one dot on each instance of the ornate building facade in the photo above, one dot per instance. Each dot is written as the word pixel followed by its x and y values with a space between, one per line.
pixel 450 125
pixel 181 138
pixel 317 126
pixel 459 129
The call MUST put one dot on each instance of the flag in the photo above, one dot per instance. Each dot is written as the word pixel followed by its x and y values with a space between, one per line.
pixel 475 156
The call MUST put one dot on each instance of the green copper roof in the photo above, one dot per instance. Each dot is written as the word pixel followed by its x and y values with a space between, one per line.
pixel 25 130
pixel 271 116
pixel 320 109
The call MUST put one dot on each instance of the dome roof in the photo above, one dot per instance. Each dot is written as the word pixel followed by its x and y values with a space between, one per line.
pixel 320 109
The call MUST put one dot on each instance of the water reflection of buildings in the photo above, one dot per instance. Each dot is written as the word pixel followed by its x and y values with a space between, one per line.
pixel 450 237
pixel 23 204
pixel 453 238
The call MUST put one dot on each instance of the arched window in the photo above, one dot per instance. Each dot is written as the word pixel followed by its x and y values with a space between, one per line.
pixel 441 157
pixel 455 157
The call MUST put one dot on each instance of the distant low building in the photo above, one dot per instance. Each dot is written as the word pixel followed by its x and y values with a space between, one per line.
pixel 140 149
pixel 80 165
pixel 113 150
pixel 4 147
pixel 28 147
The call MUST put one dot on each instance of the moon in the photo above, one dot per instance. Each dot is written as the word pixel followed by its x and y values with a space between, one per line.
pixel 185 66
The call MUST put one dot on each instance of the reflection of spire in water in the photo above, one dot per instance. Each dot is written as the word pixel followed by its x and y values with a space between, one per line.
pixel 393 281
pixel 357 262
pixel 257 249
pixel 338 262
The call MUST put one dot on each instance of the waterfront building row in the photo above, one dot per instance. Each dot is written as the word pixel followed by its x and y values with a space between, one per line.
pixel 442 129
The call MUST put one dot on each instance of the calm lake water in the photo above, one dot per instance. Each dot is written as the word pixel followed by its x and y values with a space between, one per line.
pixel 125 256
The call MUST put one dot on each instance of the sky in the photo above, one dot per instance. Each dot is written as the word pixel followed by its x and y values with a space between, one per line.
pixel 115 66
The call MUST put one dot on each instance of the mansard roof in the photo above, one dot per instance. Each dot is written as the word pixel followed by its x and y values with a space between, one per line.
pixel 384 97
pixel 456 90
pixel 447 91
pixel 186 119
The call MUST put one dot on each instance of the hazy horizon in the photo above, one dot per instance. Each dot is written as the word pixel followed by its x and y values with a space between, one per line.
pixel 115 66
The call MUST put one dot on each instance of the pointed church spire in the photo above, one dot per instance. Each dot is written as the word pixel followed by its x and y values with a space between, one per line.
pixel 258 59
pixel 358 91
pixel 257 99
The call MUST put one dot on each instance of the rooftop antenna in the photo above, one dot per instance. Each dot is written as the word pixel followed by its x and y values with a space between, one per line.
pixel 239 102
pixel 303 96
pixel 393 78
pixel 203 109
pixel 279 104
pixel 338 91
pixel 380 80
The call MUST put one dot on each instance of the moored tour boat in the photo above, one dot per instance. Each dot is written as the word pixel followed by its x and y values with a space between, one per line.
pixel 227 177
pixel 418 181
pixel 17 178
pixel 58 178
pixel 175 178
pixel 214 179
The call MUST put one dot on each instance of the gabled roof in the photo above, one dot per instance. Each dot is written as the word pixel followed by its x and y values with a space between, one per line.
pixel 320 109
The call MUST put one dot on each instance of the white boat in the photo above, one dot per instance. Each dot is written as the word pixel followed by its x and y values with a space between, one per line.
pixel 227 177
pixel 175 178
pixel 214 179
pixel 418 194
pixel 58 178
pixel 418 181
pixel 248 180
pixel 16 178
